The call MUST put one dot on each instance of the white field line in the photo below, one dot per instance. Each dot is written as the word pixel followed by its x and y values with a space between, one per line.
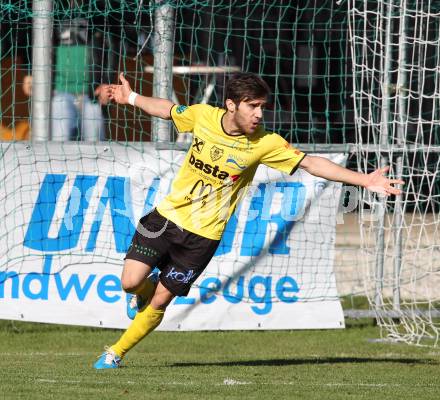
pixel 231 382
pixel 336 384
pixel 76 381
pixel 363 384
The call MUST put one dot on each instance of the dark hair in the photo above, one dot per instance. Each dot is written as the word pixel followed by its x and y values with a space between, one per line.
pixel 246 86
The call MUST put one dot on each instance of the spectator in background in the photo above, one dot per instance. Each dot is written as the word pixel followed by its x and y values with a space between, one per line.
pixel 21 130
pixel 82 58
pixel 76 104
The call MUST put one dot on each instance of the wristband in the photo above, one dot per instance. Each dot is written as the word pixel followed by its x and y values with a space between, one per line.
pixel 132 97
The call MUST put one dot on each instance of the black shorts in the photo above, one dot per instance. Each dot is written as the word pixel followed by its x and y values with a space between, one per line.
pixel 180 255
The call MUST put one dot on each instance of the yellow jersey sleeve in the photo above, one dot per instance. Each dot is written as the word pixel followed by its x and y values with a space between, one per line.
pixel 281 155
pixel 185 117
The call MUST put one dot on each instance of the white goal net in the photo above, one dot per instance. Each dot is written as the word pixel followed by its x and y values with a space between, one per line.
pixel 396 56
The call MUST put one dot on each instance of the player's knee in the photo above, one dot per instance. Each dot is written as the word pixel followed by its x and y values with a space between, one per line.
pixel 133 275
pixel 128 283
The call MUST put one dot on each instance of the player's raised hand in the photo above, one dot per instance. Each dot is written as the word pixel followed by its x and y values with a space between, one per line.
pixel 378 183
pixel 120 93
pixel 102 93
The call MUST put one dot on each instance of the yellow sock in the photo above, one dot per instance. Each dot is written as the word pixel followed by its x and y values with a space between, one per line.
pixel 144 323
pixel 146 291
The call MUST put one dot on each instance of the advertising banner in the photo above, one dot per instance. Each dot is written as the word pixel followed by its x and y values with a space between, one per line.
pixel 68 213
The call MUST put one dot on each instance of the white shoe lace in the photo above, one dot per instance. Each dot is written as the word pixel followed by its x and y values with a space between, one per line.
pixel 110 356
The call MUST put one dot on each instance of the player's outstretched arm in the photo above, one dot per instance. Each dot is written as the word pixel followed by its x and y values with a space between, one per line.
pixel 375 182
pixel 151 105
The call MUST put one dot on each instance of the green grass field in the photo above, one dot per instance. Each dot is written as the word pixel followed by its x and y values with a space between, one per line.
pixel 41 361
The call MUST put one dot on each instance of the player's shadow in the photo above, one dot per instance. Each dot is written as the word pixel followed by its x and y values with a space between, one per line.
pixel 306 361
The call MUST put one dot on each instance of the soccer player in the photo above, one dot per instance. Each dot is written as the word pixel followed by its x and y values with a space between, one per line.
pixel 181 235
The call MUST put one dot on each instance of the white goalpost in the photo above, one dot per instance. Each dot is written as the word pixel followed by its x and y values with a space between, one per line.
pixel 395 53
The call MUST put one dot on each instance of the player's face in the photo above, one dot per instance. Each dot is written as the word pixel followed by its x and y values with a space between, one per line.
pixel 249 114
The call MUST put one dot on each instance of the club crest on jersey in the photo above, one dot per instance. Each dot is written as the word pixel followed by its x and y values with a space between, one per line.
pixel 198 144
pixel 207 168
pixel 216 153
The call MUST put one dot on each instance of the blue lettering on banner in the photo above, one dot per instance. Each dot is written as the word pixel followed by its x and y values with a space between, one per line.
pixel 208 288
pixel 37 235
pixel 121 215
pixel 117 198
pixel 43 280
pixel 236 297
pixel 64 289
pixel 12 276
pixel 67 287
pixel 255 230
pixel 151 196
pixel 109 283
pixel 228 237
pixel 256 284
pixel 260 292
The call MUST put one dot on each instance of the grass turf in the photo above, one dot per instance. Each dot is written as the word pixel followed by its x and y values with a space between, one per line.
pixel 42 361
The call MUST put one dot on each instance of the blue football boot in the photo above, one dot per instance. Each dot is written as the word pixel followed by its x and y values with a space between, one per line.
pixel 108 360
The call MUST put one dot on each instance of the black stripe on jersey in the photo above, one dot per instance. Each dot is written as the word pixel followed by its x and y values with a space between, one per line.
pixel 297 165
pixel 171 118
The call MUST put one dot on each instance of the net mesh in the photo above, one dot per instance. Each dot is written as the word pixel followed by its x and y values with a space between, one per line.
pixel 299 50
pixel 302 50
pixel 395 48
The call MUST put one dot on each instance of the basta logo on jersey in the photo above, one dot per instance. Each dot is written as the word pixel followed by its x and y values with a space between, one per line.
pixel 207 168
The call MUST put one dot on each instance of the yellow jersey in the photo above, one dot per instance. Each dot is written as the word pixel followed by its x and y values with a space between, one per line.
pixel 218 169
